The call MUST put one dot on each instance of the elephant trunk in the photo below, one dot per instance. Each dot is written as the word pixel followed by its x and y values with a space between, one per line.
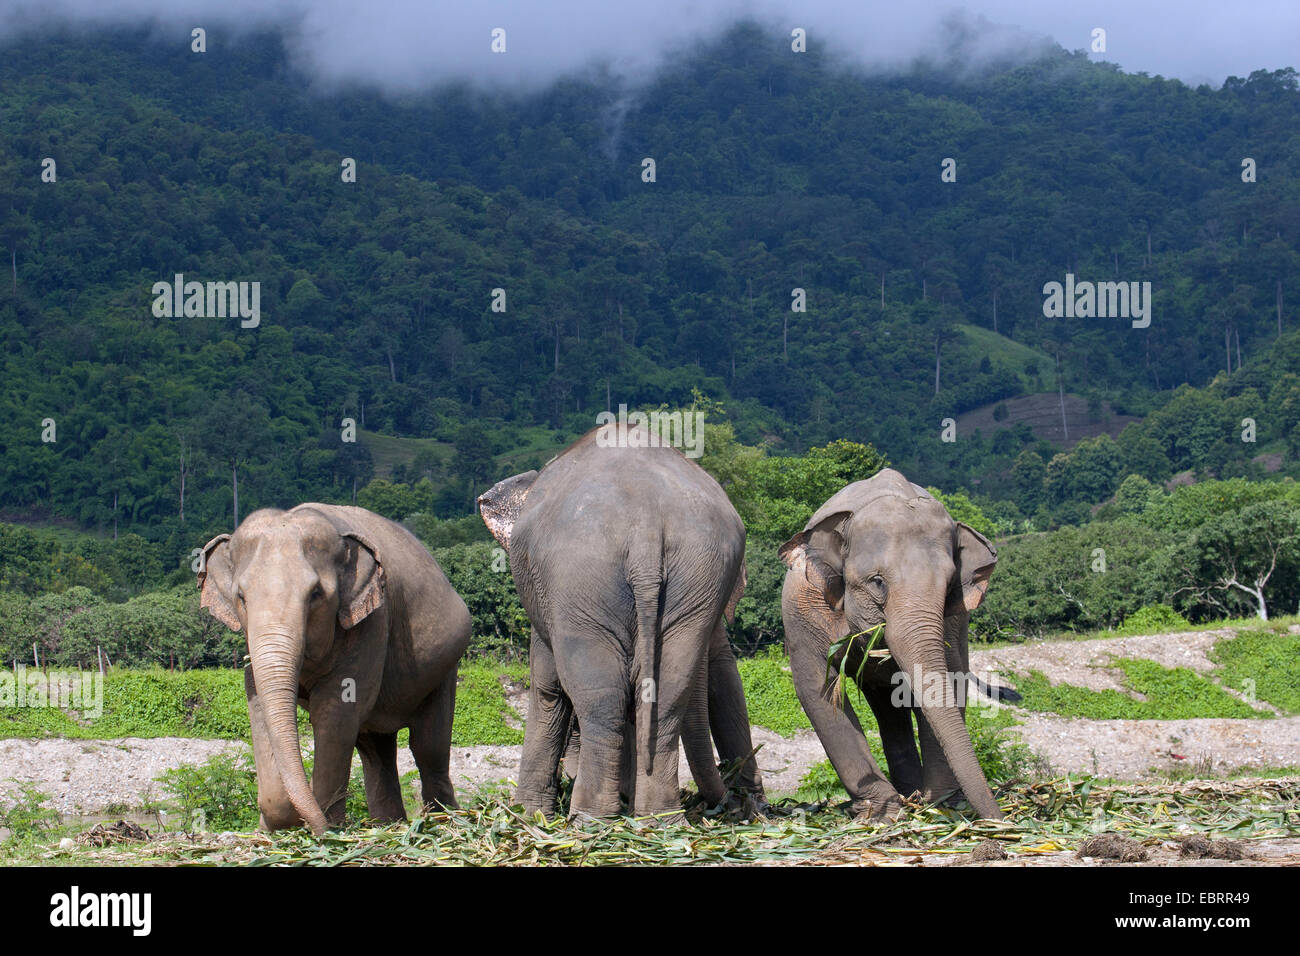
pixel 918 649
pixel 277 663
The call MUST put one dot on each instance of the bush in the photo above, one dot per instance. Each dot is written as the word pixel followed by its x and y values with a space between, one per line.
pixel 1153 619
pixel 27 817
pixel 481 576
pixel 218 794
pixel 1082 579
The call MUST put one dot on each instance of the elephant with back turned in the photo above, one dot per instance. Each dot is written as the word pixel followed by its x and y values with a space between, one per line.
pixel 349 615
pixel 885 552
pixel 626 558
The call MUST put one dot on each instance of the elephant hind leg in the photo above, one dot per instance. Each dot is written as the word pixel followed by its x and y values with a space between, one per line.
pixel 681 716
pixel 545 732
pixel 602 713
pixel 431 745
pixel 383 787
pixel 698 744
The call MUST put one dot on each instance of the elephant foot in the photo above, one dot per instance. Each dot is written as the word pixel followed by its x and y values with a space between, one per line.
pixel 271 818
pixel 885 808
pixel 941 796
pixel 664 818
pixel 583 820
pixel 533 801
pixel 748 806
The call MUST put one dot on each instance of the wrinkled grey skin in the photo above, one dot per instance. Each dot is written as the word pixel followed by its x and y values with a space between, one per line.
pixel 626 560
pixel 348 615
pixel 885 551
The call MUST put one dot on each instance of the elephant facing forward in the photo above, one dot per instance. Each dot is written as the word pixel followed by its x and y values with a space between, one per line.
pixel 347 614
pixel 885 552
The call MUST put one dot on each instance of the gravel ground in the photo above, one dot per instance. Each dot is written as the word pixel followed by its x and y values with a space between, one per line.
pixel 89 777
pixel 1086 663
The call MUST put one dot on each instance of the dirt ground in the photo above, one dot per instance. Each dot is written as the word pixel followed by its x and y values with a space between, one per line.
pixel 93 777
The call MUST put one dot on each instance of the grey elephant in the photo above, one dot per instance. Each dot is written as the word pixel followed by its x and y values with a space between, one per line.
pixel 347 614
pixel 885 552
pixel 626 558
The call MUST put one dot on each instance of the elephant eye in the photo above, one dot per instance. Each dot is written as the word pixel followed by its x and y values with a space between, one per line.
pixel 877 582
pixel 317 593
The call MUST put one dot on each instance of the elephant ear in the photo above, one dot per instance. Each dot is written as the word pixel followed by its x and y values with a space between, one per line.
pixel 361 581
pixel 819 553
pixel 500 505
pixel 976 558
pixel 217 582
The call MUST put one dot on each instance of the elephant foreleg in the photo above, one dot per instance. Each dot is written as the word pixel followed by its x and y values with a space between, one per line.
pixel 728 715
pixel 332 765
pixel 896 736
pixel 698 744
pixel 809 624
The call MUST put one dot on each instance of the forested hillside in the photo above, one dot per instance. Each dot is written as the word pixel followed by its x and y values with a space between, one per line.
pixel 774 172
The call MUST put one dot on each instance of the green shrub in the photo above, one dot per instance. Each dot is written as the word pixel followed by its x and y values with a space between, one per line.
pixel 1003 757
pixel 218 794
pixel 821 783
pixel 27 817
pixel 1154 619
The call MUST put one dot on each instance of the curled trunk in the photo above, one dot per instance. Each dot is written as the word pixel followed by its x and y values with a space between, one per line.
pixel 276 668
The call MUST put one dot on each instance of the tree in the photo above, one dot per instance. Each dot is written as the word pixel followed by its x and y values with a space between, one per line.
pixel 1254 552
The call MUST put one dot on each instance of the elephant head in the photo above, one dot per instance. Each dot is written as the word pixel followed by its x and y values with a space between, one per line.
pixel 294 583
pixel 897 558
pixel 500 505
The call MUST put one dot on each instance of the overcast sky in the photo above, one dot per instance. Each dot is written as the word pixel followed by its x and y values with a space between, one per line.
pixel 413 44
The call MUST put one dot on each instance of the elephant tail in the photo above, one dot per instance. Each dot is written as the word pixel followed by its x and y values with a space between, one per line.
pixel 645 576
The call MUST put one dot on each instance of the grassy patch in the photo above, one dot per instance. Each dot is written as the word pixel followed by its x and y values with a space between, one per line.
pixel 770 694
pixel 210 704
pixel 1266 662
pixel 1171 694
pixel 1276 625
pixel 146 703
pixel 481 706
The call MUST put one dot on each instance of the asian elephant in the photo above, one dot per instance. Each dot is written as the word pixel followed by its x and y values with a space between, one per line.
pixel 347 614
pixel 884 551
pixel 626 557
